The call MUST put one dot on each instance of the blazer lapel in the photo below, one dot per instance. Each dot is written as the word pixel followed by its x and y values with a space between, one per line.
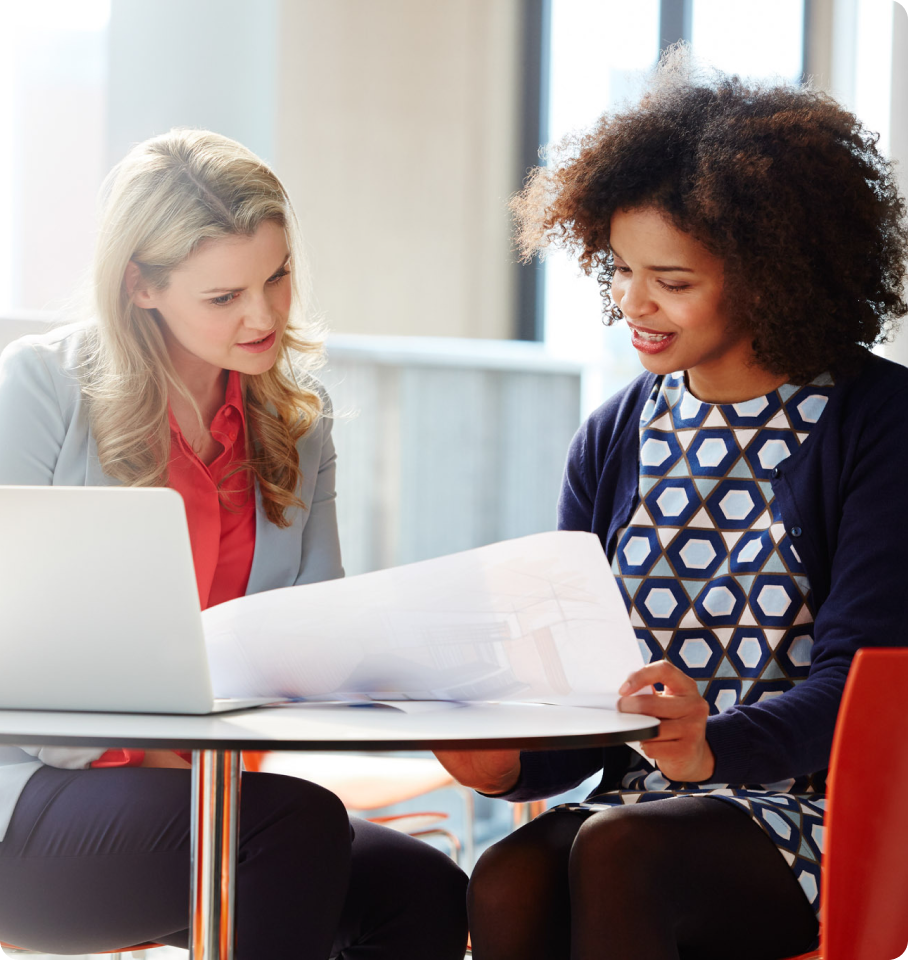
pixel 277 557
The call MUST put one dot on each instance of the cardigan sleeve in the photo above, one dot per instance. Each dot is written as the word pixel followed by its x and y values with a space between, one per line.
pixel 864 552
pixel 600 475
pixel 578 485
pixel 546 773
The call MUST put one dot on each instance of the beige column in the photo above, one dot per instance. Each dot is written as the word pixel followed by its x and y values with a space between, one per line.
pixel 397 130
pixel 819 32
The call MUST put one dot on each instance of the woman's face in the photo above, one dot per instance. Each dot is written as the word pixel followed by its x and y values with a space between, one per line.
pixel 670 289
pixel 226 306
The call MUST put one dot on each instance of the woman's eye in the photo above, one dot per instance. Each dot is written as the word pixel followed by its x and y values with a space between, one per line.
pixel 673 288
pixel 224 299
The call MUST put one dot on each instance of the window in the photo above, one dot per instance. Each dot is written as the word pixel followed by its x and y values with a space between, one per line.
pixel 870 93
pixel 53 56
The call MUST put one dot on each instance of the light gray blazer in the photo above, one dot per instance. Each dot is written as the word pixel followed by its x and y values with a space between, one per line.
pixel 46 439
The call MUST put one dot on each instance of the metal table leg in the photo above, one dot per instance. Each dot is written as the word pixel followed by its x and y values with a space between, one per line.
pixel 469 825
pixel 524 812
pixel 215 828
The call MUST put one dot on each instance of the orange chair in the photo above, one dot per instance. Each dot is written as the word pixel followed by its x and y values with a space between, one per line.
pixel 864 896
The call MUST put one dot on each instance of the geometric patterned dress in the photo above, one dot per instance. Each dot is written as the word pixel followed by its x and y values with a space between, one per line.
pixel 713 583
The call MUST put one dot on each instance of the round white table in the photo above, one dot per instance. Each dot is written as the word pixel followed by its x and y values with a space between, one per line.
pixel 217 741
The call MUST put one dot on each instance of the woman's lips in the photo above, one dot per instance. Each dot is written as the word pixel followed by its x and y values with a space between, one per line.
pixel 259 346
pixel 651 341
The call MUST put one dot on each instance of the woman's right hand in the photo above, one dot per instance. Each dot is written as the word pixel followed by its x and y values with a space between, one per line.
pixel 489 771
pixel 164 758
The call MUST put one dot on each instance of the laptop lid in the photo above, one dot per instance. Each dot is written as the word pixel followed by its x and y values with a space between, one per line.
pixel 99 608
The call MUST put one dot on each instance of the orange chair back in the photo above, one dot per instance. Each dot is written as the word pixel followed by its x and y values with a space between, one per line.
pixel 864 899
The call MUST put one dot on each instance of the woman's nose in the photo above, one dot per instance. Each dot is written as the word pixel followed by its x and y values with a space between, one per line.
pixel 260 316
pixel 635 300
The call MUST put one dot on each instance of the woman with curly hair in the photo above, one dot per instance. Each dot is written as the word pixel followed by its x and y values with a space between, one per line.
pixel 748 490
pixel 194 371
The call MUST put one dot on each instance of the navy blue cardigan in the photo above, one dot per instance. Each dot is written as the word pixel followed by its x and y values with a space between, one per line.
pixel 844 499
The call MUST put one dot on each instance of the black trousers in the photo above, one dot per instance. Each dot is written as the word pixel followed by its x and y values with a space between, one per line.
pixel 99 859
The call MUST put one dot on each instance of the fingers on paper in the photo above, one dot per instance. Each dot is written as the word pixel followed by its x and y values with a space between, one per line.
pixel 661 671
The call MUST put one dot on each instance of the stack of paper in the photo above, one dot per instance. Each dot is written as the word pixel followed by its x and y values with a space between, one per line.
pixel 537 619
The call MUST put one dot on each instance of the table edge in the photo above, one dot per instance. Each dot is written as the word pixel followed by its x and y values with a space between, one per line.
pixel 548 742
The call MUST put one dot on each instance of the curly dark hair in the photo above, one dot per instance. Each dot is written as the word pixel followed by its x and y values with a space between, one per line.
pixel 779 181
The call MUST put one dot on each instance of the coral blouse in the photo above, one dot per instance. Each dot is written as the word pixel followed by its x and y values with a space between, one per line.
pixel 220 512
pixel 220 504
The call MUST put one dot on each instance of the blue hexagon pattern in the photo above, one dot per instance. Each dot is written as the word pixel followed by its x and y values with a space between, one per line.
pixel 711 571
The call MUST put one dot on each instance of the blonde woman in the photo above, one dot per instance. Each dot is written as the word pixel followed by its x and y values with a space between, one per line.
pixel 194 373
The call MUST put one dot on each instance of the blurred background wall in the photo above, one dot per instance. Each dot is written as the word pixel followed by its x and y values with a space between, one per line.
pixel 401 128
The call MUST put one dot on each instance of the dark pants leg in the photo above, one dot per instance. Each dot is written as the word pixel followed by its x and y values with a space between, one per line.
pixel 99 859
pixel 406 900
pixel 678 878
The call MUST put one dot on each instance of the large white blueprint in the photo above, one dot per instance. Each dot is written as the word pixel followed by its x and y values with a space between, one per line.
pixel 537 619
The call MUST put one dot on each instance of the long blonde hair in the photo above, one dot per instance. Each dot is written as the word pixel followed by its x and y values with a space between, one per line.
pixel 160 203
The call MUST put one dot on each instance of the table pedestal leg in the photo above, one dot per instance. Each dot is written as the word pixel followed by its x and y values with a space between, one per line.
pixel 524 812
pixel 215 827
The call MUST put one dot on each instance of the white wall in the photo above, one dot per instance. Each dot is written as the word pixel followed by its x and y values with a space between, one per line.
pixel 204 63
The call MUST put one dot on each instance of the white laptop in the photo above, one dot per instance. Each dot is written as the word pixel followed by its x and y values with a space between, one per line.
pixel 99 608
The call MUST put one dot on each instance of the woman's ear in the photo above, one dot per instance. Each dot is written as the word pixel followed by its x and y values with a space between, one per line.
pixel 137 287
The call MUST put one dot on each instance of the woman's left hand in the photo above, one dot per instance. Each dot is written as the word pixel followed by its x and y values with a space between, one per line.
pixel 680 750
